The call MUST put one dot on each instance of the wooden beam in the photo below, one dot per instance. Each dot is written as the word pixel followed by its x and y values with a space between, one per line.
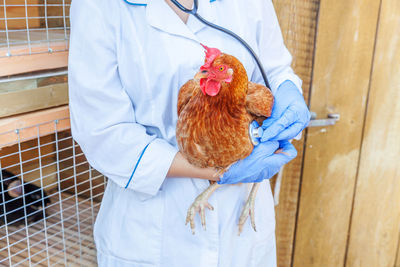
pixel 375 225
pixel 33 99
pixel 343 59
pixel 298 20
pixel 28 123
pixel 28 63
pixel 18 85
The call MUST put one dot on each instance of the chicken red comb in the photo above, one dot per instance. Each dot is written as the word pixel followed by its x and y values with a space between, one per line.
pixel 211 55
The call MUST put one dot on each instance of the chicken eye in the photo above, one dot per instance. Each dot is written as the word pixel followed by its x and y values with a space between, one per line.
pixel 222 68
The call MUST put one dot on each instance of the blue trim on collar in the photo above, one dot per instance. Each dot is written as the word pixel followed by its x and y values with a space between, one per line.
pixel 142 4
pixel 134 4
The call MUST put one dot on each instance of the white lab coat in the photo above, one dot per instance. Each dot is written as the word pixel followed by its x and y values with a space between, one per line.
pixel 126 65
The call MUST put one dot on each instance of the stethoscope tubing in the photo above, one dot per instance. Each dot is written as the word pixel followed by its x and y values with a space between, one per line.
pixel 193 12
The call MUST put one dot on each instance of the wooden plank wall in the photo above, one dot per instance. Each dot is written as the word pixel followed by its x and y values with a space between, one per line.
pixel 375 225
pixel 349 205
pixel 298 20
pixel 344 50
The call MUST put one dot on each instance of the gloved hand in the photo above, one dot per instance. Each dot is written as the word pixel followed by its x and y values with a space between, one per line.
pixel 289 116
pixel 262 163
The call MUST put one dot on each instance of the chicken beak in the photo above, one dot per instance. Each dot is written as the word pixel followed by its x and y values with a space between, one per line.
pixel 201 74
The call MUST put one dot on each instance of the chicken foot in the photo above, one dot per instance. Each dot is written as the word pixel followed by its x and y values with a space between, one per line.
pixel 248 209
pixel 199 205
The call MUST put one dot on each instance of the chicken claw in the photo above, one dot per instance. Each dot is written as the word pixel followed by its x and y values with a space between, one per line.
pixel 199 205
pixel 248 209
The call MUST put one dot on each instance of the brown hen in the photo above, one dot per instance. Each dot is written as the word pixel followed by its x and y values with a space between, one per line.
pixel 215 110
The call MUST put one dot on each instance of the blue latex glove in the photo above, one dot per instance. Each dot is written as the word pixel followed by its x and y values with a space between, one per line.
pixel 261 164
pixel 289 116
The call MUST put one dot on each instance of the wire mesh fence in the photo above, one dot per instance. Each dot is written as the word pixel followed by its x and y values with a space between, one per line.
pixel 49 198
pixel 33 26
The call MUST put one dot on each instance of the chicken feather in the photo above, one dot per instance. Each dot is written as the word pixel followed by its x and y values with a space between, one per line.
pixel 213 130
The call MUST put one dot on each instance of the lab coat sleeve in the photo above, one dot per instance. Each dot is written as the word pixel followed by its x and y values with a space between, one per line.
pixel 272 51
pixel 102 114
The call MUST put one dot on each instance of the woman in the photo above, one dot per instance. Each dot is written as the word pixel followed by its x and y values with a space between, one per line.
pixel 127 62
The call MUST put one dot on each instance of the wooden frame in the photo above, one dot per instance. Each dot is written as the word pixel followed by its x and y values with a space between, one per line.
pixel 12 103
pixel 27 123
pixel 35 62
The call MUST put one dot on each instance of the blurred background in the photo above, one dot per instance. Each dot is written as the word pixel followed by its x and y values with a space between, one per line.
pixel 339 200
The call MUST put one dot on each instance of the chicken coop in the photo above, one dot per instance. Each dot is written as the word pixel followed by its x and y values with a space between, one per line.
pixel 53 227
pixel 339 200
pixel 49 221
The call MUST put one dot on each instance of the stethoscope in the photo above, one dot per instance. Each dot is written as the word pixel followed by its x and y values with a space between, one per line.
pixel 255 130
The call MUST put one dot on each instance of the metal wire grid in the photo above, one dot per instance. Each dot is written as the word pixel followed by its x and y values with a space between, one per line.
pixel 33 26
pixel 55 163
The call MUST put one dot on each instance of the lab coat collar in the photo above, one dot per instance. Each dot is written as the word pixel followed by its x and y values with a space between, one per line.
pixel 162 17
pixel 144 2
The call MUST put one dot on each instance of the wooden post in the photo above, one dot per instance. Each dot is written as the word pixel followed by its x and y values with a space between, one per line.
pixel 298 20
pixel 375 225
pixel 343 59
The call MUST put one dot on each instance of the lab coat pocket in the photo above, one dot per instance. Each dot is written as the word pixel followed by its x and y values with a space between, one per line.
pixel 264 253
pixel 140 228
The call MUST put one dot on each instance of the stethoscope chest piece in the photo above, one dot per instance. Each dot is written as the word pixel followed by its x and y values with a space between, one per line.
pixel 255 133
